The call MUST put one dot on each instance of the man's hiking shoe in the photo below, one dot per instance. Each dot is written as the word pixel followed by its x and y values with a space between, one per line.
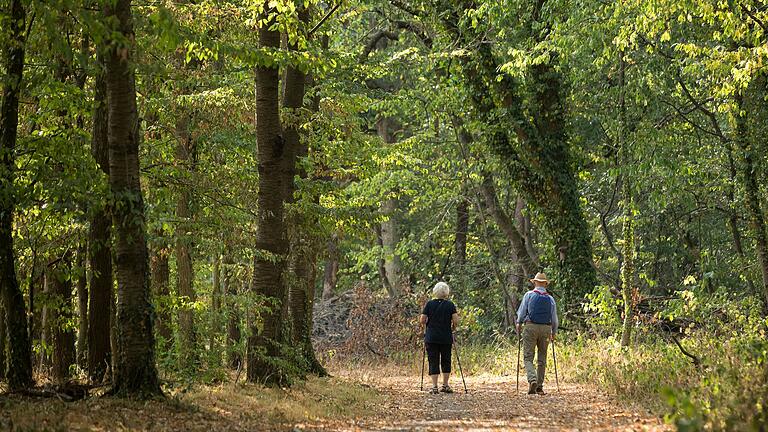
pixel 446 389
pixel 540 390
pixel 532 388
pixel 434 390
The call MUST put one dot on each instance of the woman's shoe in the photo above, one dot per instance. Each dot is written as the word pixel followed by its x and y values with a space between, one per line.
pixel 446 389
pixel 434 391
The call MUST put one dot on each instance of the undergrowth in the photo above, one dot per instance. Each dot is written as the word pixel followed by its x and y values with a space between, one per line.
pixel 204 408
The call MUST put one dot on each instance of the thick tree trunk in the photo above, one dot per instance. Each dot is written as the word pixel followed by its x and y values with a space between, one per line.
pixel 100 244
pixel 535 148
pixel 60 316
pixel 271 241
pixel 302 295
pixel 19 371
pixel 301 274
pixel 462 229
pixel 135 371
pixel 160 277
pixel 561 203
pixel 749 174
pixel 733 220
pixel 184 271
pixel 82 308
pixel 330 274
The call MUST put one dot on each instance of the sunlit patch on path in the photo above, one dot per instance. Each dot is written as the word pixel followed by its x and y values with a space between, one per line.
pixel 492 404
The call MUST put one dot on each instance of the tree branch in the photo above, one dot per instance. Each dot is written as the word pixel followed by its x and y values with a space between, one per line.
pixel 695 360
pixel 416 29
pixel 325 18
pixel 757 20
pixel 375 38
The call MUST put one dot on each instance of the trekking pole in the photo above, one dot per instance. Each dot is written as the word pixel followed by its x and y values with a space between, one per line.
pixel 458 360
pixel 517 374
pixel 423 355
pixel 554 357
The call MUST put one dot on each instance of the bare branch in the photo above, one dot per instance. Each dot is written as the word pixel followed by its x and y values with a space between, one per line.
pixel 325 18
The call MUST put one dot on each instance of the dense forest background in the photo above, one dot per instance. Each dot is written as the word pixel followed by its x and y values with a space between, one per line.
pixel 183 183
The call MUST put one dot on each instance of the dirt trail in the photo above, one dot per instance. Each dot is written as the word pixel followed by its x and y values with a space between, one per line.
pixel 492 404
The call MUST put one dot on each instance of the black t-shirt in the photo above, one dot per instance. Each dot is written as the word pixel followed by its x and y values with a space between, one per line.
pixel 439 313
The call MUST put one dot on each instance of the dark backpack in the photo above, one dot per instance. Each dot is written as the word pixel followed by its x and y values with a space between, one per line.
pixel 540 308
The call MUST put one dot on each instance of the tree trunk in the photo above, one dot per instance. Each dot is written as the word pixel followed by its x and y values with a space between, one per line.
pixel 330 275
pixel 748 176
pixel 271 243
pixel 100 243
pixel 184 271
pixel 628 226
pixel 301 274
pixel 234 358
pixel 534 147
pixel 46 341
pixel 561 200
pixel 3 343
pixel 733 221
pixel 33 279
pixel 82 307
pixel 507 226
pixel 19 371
pixel 216 295
pixel 389 240
pixel 526 231
pixel 160 276
pixel 302 295
pixel 462 229
pixel 60 316
pixel 386 128
pixel 135 371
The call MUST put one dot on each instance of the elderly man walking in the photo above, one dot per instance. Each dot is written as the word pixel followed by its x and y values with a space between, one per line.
pixel 539 314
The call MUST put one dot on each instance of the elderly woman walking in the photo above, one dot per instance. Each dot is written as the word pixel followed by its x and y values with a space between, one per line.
pixel 440 317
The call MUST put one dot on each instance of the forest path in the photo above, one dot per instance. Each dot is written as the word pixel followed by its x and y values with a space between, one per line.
pixel 493 404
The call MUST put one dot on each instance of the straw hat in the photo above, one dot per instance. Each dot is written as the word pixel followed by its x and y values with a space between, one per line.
pixel 540 277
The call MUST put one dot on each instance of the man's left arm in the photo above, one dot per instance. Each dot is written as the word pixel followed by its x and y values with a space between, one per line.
pixel 521 310
pixel 555 321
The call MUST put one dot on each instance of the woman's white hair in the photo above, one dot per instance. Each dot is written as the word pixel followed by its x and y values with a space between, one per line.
pixel 441 290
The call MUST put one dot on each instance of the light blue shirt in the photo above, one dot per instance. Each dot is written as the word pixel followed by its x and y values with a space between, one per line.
pixel 522 311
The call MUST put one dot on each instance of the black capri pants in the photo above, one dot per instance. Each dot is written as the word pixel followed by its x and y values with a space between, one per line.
pixel 439 356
